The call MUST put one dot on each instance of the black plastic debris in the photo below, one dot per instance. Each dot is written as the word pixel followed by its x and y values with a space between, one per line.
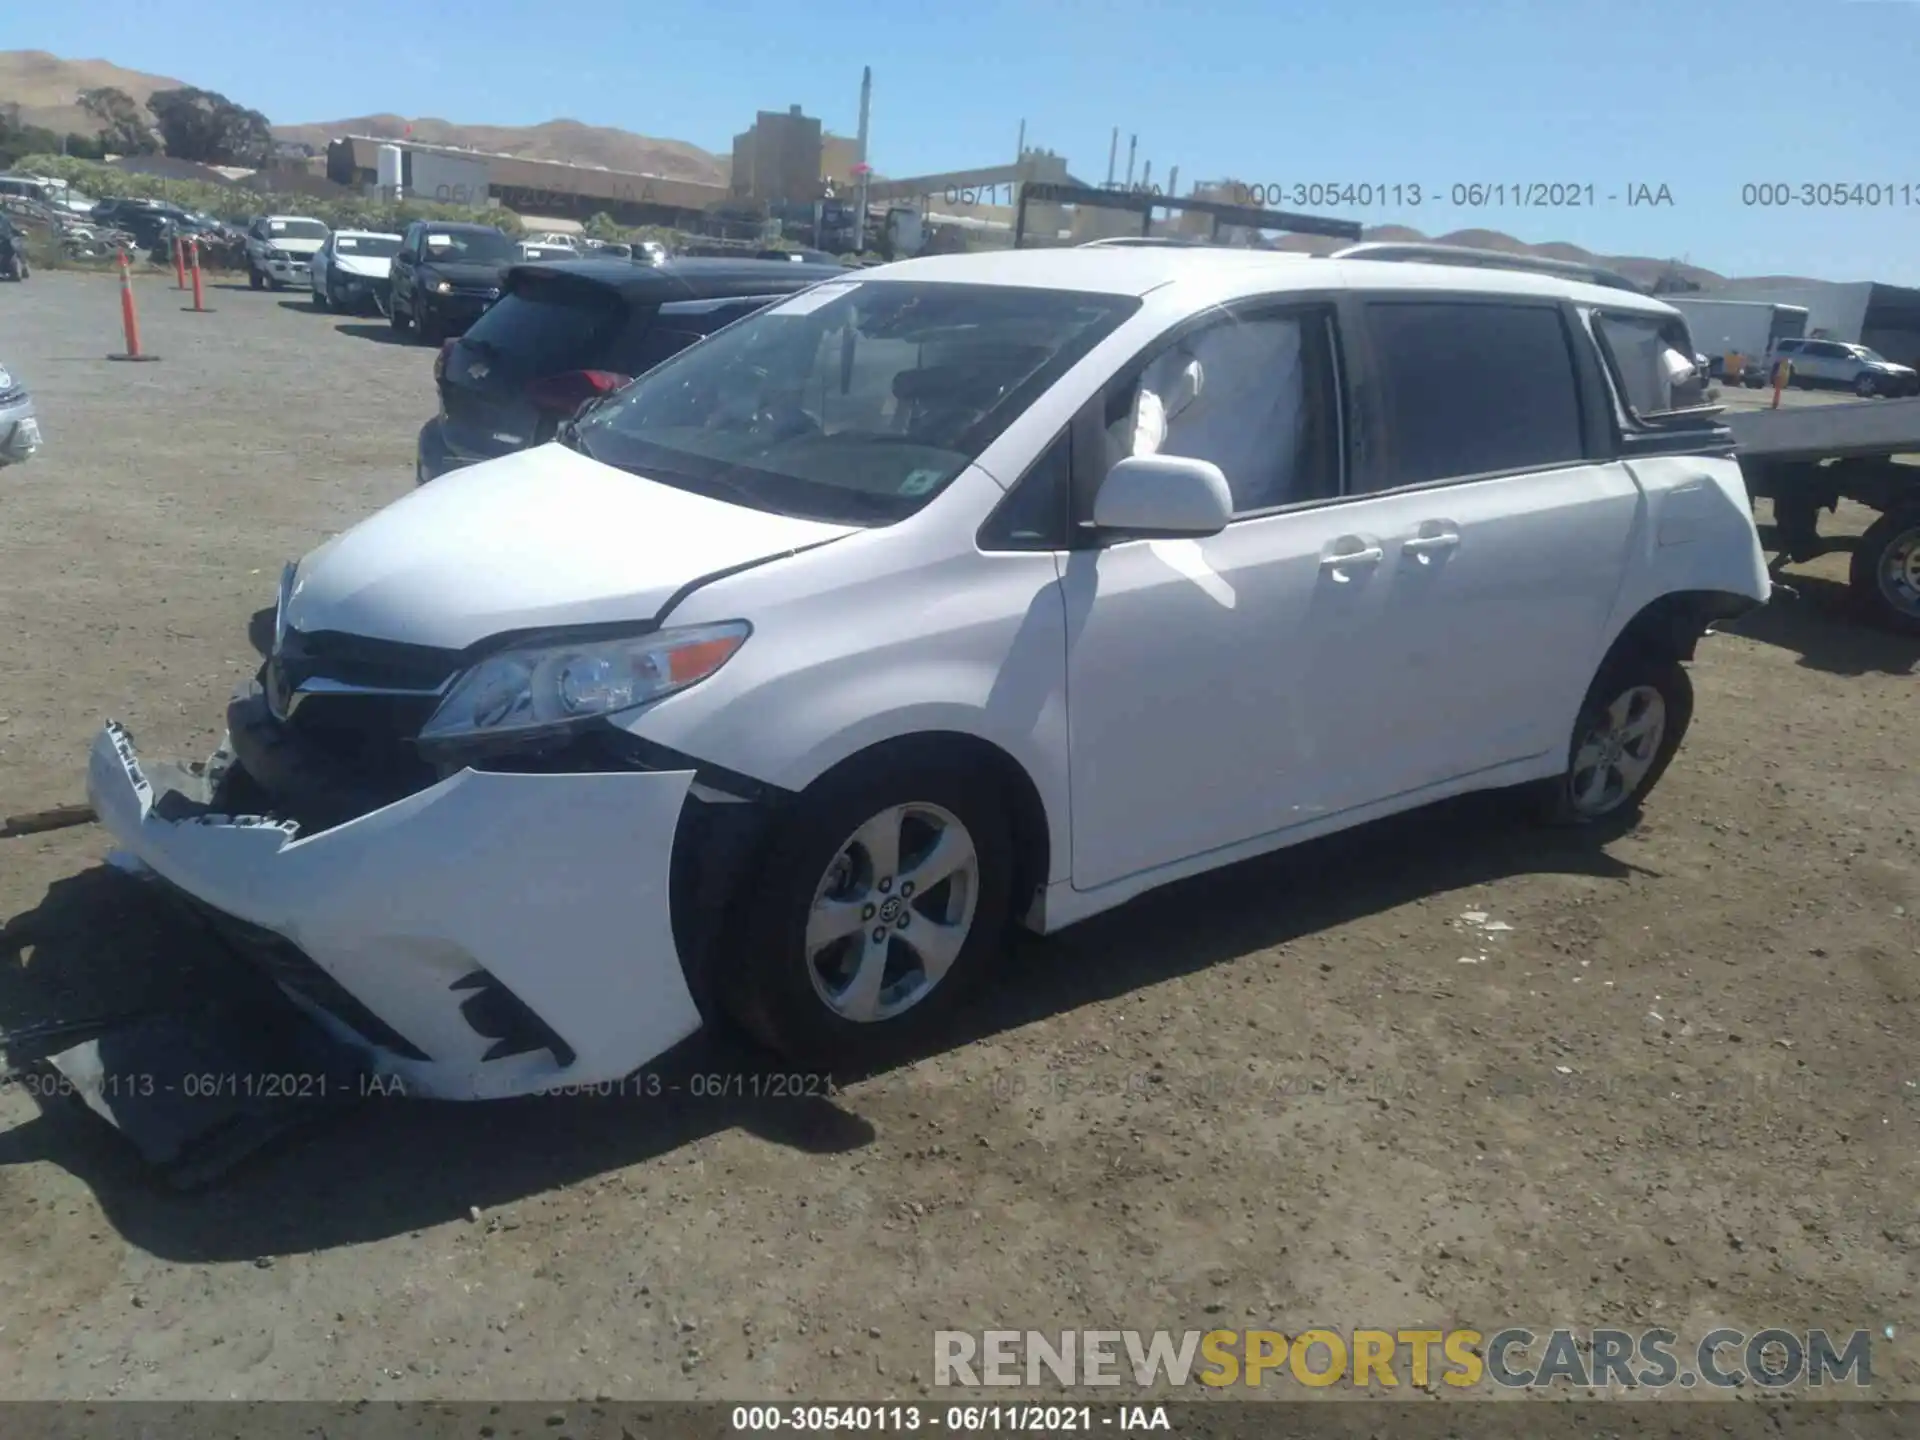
pixel 198 1090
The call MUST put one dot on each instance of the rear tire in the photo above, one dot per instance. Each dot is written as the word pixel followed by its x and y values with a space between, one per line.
pixel 1866 387
pixel 1885 575
pixel 836 961
pixel 1631 724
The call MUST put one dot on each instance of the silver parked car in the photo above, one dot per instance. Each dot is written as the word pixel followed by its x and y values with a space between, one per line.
pixel 1834 364
pixel 19 427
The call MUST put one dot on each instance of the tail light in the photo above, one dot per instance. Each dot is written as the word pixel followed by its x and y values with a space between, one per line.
pixel 440 361
pixel 563 394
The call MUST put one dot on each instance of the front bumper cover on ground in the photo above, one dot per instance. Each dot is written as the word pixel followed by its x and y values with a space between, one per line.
pixel 492 935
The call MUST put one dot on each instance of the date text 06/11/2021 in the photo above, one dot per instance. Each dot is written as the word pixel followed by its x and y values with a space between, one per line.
pixel 906 1419
pixel 210 1085
pixel 1462 194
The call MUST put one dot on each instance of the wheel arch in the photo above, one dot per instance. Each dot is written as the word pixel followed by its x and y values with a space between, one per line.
pixel 1031 829
pixel 1669 626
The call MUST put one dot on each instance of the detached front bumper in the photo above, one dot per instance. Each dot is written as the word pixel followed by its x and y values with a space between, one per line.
pixel 359 290
pixel 490 936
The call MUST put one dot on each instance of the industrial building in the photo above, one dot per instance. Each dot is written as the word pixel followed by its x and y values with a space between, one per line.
pixel 1883 317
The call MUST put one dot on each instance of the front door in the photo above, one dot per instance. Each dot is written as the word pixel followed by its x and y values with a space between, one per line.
pixel 1206 679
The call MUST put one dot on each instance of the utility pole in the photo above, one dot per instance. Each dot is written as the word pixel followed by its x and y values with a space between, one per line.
pixel 1113 156
pixel 866 104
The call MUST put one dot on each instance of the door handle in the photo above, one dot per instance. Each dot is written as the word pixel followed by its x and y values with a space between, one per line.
pixel 1422 546
pixel 1352 559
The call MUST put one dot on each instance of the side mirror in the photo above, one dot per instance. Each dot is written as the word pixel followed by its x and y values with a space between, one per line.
pixel 1163 497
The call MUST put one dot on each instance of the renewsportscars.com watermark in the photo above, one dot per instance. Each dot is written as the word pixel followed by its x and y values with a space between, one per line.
pixel 1514 1358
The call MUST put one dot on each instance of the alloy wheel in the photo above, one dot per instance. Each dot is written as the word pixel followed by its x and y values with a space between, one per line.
pixel 892 912
pixel 1898 572
pixel 1613 758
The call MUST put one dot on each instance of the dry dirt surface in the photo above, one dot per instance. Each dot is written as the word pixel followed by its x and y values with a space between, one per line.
pixel 1664 1078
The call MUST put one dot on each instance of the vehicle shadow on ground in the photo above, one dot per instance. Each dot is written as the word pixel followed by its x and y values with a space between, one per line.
pixel 392 1166
pixel 380 332
pixel 1820 623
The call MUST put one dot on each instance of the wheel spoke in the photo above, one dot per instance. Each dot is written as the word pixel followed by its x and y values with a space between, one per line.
pixel 1591 793
pixel 936 944
pixel 861 999
pixel 950 852
pixel 1588 756
pixel 831 920
pixel 1620 712
pixel 880 838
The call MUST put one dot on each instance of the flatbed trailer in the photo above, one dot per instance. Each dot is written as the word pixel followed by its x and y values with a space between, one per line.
pixel 1808 458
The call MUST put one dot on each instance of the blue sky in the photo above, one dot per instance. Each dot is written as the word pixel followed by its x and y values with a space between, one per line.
pixel 1703 99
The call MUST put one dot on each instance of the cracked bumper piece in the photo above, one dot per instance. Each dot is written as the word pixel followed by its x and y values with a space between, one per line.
pixel 490 936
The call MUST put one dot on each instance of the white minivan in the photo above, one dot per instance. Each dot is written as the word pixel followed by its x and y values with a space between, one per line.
pixel 973 590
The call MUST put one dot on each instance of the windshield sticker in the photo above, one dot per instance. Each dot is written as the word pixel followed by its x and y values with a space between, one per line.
pixel 919 482
pixel 808 301
pixel 439 239
pixel 344 242
pixel 276 225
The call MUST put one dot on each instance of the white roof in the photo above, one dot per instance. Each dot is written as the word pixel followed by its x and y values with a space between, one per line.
pixel 308 219
pixel 1138 269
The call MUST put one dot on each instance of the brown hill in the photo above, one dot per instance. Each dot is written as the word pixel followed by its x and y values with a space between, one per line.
pixel 46 88
pixel 568 141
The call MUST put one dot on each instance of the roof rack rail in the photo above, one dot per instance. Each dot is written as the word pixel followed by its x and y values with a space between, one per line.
pixel 1144 205
pixel 1434 254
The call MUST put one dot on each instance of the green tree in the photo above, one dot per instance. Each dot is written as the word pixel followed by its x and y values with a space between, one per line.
pixel 207 127
pixel 125 128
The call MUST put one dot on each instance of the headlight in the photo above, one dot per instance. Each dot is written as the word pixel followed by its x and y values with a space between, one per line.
pixel 6 380
pixel 443 287
pixel 549 689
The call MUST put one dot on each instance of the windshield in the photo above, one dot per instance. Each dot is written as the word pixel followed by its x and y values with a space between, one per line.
pixel 482 247
pixel 1867 352
pixel 855 401
pixel 378 247
pixel 297 229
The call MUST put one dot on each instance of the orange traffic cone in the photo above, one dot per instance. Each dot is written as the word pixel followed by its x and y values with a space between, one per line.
pixel 129 319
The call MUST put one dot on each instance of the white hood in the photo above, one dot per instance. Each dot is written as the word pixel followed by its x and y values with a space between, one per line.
pixel 371 267
pixel 299 247
pixel 538 538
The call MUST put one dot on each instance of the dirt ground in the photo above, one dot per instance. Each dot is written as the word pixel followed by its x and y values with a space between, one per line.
pixel 1681 1089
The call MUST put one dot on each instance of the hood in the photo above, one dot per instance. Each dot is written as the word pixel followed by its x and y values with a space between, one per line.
pixel 373 267
pixel 465 272
pixel 295 244
pixel 1892 365
pixel 537 538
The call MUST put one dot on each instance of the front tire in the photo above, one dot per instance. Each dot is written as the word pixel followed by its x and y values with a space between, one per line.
pixel 882 900
pixel 1630 726
pixel 395 317
pixel 1885 575
pixel 255 279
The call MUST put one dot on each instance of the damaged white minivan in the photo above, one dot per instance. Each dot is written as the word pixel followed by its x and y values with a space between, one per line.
pixel 974 590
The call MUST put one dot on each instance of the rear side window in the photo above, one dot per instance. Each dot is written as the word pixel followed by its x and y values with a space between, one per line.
pixel 652 336
pixel 1471 389
pixel 1652 360
pixel 543 330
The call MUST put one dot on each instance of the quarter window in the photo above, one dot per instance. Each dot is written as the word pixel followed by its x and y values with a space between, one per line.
pixel 1653 362
pixel 1473 389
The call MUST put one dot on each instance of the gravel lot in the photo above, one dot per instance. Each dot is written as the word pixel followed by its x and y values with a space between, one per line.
pixel 1680 1089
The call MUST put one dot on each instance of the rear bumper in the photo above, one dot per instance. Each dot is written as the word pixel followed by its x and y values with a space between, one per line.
pixel 492 935
pixel 434 457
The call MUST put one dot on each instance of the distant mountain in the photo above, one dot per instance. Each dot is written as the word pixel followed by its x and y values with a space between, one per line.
pixel 46 87
pixel 564 140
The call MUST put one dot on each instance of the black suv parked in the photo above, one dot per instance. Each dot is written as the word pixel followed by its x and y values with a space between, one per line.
pixel 566 332
pixel 446 275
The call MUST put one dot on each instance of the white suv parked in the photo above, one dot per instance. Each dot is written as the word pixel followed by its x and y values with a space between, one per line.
pixel 280 250
pixel 976 589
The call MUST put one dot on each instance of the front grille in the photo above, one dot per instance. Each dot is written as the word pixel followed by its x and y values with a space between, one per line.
pixel 357 660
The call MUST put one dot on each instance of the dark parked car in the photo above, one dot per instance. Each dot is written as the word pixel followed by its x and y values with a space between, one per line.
pixel 569 331
pixel 446 275
pixel 148 221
